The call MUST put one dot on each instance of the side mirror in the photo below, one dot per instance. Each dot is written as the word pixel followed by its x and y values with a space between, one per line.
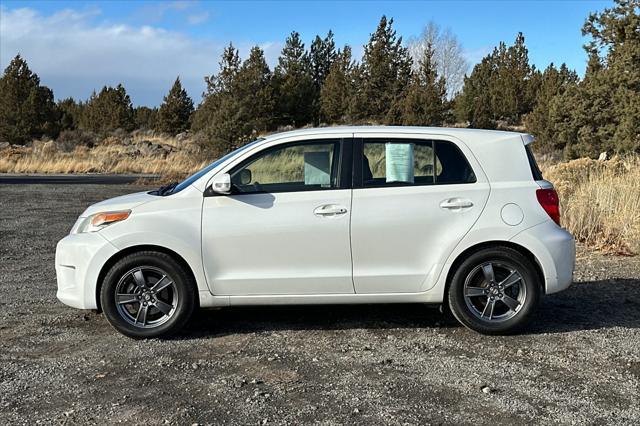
pixel 221 184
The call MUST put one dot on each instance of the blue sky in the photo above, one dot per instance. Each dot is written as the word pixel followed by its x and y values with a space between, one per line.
pixel 76 47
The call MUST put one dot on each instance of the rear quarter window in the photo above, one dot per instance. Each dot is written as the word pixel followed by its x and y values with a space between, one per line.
pixel 535 170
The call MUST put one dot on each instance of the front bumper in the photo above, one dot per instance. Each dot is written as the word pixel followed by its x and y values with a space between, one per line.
pixel 555 250
pixel 79 259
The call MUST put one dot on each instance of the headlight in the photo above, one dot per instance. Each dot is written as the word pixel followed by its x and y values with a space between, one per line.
pixel 97 221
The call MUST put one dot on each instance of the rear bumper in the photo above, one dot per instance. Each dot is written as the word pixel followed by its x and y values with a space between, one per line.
pixel 79 259
pixel 555 250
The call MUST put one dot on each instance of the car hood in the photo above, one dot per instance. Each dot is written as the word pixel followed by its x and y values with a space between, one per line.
pixel 124 202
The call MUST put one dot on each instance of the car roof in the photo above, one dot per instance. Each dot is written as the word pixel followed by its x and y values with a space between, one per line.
pixel 468 135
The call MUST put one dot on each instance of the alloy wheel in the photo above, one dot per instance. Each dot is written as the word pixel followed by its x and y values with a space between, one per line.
pixel 494 291
pixel 146 297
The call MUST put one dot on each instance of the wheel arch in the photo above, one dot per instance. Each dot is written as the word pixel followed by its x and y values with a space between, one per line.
pixel 135 249
pixel 494 244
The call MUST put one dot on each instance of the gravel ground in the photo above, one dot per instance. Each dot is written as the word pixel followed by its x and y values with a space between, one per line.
pixel 579 362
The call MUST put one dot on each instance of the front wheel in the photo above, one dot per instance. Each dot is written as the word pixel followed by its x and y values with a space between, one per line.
pixel 495 291
pixel 148 294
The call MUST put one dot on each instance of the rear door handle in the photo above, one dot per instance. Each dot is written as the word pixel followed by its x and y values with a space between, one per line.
pixel 329 210
pixel 456 203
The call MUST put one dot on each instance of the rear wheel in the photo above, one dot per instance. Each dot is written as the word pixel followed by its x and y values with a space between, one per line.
pixel 495 291
pixel 148 294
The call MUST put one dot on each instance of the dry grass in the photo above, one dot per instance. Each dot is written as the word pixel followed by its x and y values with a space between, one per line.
pixel 176 158
pixel 600 201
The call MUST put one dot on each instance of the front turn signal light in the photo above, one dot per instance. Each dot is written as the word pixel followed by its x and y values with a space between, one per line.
pixel 107 218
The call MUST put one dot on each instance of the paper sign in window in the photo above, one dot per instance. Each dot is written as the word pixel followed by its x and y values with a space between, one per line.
pixel 399 162
pixel 317 168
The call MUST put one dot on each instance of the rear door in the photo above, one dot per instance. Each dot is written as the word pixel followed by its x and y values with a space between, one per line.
pixel 414 198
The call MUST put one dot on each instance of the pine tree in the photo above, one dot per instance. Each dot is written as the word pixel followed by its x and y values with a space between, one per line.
pixel 322 54
pixel 239 102
pixel 502 87
pixel 473 104
pixel 602 113
pixel 108 110
pixel 425 102
pixel 385 73
pixel 338 88
pixel 69 112
pixel 175 111
pixel 294 84
pixel 218 106
pixel 27 110
pixel 145 117
pixel 553 82
pixel 254 90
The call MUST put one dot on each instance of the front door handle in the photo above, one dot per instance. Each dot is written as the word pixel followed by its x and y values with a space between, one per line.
pixel 329 210
pixel 456 203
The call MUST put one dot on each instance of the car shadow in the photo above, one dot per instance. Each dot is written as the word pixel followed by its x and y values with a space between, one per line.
pixel 584 306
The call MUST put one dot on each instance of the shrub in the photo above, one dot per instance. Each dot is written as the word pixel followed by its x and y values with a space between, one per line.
pixel 70 139
pixel 600 201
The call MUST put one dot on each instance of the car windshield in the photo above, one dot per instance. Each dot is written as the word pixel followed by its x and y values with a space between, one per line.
pixel 197 175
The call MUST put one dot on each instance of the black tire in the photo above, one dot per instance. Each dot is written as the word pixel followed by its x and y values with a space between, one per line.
pixel 181 295
pixel 503 261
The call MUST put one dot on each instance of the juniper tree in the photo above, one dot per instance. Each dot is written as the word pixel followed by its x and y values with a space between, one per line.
pixel 27 109
pixel 602 113
pixel 108 110
pixel 69 113
pixel 385 74
pixel 425 101
pixel 503 86
pixel 294 84
pixel 175 111
pixel 338 88
pixel 239 102
pixel 473 104
pixel 217 116
pixel 254 91
pixel 553 82
pixel 322 54
pixel 145 117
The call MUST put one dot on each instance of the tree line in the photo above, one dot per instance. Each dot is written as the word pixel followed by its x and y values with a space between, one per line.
pixel 421 83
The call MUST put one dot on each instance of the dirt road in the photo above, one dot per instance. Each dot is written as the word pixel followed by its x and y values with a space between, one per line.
pixel 579 362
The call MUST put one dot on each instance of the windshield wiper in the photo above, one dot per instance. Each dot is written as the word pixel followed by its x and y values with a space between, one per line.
pixel 167 189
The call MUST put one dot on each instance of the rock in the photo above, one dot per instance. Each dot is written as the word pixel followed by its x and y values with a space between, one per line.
pixel 182 136
pixel 603 156
pixel 5 145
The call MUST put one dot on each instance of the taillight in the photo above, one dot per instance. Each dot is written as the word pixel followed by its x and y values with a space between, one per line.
pixel 548 199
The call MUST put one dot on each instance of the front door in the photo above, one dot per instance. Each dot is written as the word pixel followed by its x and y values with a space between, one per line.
pixel 413 201
pixel 284 229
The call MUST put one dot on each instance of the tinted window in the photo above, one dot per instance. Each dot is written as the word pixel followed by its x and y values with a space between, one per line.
pixel 535 170
pixel 304 166
pixel 453 166
pixel 400 162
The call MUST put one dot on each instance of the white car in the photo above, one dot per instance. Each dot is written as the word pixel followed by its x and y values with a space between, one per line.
pixel 457 217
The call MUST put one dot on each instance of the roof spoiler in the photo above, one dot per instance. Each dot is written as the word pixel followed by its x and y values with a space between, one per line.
pixel 527 139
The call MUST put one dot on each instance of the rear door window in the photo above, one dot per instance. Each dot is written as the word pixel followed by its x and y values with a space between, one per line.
pixel 407 162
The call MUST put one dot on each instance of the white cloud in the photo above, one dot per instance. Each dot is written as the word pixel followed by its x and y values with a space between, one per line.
pixel 73 55
pixel 198 18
